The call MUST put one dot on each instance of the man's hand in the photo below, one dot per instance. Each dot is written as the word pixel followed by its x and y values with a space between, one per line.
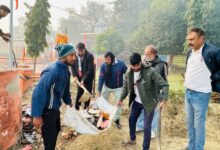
pixel 119 103
pixel 38 122
pixel 71 105
pixel 162 104
pixel 5 38
pixel 7 35
pixel 82 83
pixel 75 79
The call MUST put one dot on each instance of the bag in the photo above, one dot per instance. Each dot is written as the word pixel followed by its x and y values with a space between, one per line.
pixel 76 119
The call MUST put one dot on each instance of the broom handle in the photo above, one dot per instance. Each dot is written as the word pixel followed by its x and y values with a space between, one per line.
pixel 82 86
pixel 159 131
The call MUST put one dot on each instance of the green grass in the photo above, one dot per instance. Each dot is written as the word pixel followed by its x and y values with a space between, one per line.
pixel 176 81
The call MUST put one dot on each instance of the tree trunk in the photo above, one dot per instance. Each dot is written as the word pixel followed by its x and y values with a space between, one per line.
pixel 170 62
pixel 35 59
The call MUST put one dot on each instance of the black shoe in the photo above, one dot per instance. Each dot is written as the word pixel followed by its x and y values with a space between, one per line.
pixel 117 123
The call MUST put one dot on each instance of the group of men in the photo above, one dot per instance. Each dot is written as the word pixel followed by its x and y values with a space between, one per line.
pixel 145 83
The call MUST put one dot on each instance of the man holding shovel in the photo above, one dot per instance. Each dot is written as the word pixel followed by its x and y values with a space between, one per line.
pixel 52 88
pixel 83 72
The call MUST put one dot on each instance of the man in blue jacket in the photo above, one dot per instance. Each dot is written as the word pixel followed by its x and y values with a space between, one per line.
pixel 53 86
pixel 201 78
pixel 111 81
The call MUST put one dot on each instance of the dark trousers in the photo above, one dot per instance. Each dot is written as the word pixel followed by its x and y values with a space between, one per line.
pixel 136 109
pixel 80 92
pixel 50 128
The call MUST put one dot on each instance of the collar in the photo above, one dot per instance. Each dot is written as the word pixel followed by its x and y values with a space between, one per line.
pixel 61 64
pixel 200 49
pixel 115 61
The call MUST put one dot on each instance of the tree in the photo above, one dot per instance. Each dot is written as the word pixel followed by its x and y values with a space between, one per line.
pixel 194 13
pixel 211 21
pixel 72 26
pixel 163 26
pixel 109 41
pixel 126 15
pixel 36 28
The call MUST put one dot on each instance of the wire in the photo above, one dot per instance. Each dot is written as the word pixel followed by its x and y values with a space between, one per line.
pixel 72 12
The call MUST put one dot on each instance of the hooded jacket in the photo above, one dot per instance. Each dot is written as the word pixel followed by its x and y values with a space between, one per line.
pixel 148 83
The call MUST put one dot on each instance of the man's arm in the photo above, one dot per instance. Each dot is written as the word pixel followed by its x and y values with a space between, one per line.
pixel 216 75
pixel 124 92
pixel 162 84
pixel 101 78
pixel 67 96
pixel 40 97
pixel 41 93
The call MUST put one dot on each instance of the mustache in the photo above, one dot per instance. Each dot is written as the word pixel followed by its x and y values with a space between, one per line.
pixel 190 44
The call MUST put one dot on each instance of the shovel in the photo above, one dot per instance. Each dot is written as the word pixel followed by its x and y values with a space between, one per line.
pixel 159 130
pixel 86 95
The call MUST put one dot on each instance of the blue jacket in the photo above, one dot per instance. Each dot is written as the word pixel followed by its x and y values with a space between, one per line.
pixel 53 86
pixel 118 68
pixel 211 56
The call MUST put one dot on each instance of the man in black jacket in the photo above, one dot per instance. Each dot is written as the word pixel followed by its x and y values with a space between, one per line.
pixel 4 11
pixel 201 78
pixel 152 58
pixel 83 71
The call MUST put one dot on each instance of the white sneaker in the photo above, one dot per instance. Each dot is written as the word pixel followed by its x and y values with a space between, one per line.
pixel 153 135
pixel 139 129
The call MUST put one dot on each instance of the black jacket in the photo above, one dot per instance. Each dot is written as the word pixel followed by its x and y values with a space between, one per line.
pixel 87 68
pixel 160 66
pixel 211 56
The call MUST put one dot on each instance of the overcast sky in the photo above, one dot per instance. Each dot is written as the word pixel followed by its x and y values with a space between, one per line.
pixel 55 13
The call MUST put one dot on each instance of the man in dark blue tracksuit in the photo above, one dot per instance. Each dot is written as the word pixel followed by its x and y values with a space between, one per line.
pixel 53 86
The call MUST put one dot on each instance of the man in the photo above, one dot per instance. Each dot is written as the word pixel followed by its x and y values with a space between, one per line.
pixel 83 71
pixel 53 86
pixel 111 76
pixel 4 11
pixel 161 67
pixel 141 83
pixel 201 77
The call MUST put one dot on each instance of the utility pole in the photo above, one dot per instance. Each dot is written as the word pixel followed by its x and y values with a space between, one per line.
pixel 10 45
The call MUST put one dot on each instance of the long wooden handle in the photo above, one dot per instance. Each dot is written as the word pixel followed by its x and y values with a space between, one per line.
pixel 159 131
pixel 82 86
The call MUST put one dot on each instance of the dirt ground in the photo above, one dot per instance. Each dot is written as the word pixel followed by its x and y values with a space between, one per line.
pixel 174 135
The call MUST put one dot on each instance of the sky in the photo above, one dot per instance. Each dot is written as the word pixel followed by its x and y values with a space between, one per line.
pixel 55 13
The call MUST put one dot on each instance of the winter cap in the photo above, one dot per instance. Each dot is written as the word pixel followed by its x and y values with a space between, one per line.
pixel 64 50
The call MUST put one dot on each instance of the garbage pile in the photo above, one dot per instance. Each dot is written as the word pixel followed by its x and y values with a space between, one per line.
pixel 97 117
pixel 29 137
pixel 29 133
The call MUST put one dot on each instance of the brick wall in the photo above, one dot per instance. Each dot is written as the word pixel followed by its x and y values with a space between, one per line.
pixel 10 109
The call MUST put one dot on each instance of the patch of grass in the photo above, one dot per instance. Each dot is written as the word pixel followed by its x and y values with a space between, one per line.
pixel 175 81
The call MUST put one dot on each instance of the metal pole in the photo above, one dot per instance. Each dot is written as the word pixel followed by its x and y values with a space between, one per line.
pixel 10 45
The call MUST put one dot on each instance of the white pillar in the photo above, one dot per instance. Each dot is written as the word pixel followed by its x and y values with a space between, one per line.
pixel 10 45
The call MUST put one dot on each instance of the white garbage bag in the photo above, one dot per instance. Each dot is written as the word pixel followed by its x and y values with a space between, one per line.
pixel 76 119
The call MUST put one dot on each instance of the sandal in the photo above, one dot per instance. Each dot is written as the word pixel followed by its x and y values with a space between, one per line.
pixel 128 143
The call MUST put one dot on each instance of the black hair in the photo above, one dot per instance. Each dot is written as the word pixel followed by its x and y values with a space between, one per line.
pixel 135 59
pixel 80 46
pixel 5 8
pixel 111 55
pixel 199 31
